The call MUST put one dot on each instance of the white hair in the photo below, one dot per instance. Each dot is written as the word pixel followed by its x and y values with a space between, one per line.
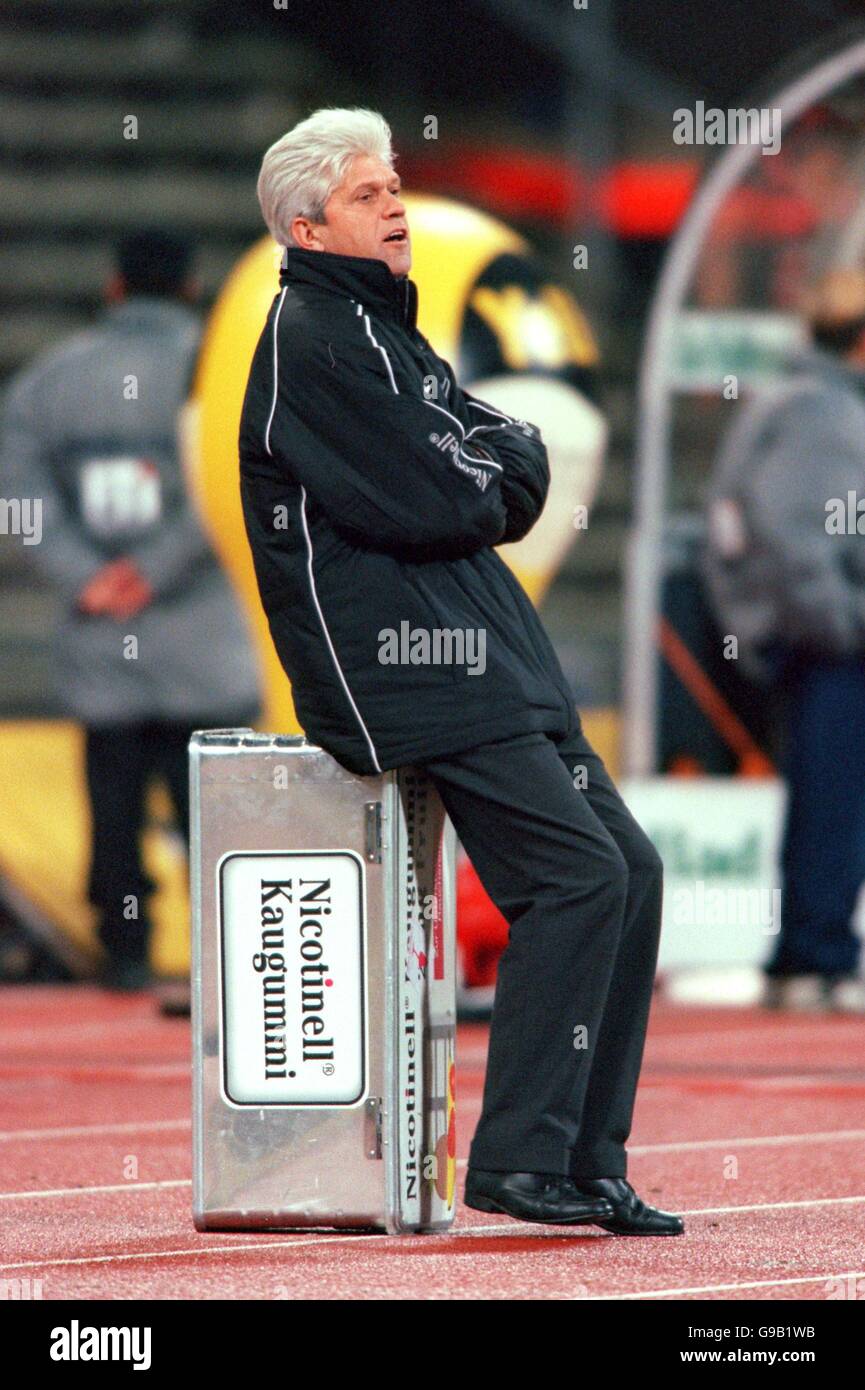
pixel 301 169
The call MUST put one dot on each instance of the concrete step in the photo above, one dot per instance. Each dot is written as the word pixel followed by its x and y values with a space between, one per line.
pixel 74 273
pixel 85 130
pixel 124 200
pixel 89 12
pixel 164 55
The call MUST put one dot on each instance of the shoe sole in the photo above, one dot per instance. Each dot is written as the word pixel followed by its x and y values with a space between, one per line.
pixel 491 1205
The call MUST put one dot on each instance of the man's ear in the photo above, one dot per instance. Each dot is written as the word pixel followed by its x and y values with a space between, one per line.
pixel 305 234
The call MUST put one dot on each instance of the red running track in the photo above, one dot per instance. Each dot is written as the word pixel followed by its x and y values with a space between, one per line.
pixel 750 1124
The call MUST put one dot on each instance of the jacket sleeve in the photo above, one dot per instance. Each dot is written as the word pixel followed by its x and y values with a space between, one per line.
pixel 517 445
pixel 60 553
pixel 810 459
pixel 391 471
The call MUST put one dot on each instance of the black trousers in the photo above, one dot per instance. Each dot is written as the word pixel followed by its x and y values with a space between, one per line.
pixel 580 885
pixel 120 763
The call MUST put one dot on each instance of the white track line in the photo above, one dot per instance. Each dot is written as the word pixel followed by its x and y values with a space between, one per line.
pixel 14 1136
pixel 753 1141
pixel 110 1071
pixel 724 1077
pixel 719 1288
pixel 775 1206
pixel 804 1078
pixel 171 1254
pixel 699 1144
pixel 723 1074
pixel 95 1191
pixel 166 1183
pixel 10 1035
pixel 787 1024
pixel 756 1141
pixel 517 1228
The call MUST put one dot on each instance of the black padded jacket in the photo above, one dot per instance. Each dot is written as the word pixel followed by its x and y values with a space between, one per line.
pixel 374 492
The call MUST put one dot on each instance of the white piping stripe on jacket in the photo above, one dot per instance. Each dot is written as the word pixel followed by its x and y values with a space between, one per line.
pixel 309 570
pixel 371 336
pixel 479 405
pixel 309 553
pixel 275 378
pixel 470 458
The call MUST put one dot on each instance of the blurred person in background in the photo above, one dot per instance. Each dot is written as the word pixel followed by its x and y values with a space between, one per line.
pixel 785 569
pixel 151 643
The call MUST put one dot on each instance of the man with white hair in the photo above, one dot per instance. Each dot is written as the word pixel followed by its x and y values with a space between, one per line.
pixel 374 492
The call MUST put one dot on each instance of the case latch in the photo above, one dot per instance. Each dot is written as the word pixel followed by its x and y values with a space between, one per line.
pixel 372 1127
pixel 373 832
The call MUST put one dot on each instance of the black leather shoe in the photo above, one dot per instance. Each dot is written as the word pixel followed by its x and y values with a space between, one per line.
pixel 631 1216
pixel 174 998
pixel 545 1197
pixel 125 976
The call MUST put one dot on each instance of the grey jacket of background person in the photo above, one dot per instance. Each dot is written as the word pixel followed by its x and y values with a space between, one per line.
pixel 776 573
pixel 109 473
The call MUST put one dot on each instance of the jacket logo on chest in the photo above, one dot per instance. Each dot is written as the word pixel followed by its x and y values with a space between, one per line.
pixel 449 444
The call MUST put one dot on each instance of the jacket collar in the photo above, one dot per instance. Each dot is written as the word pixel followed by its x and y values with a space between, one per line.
pixel 360 278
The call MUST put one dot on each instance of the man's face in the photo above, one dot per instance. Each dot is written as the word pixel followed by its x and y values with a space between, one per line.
pixel 364 217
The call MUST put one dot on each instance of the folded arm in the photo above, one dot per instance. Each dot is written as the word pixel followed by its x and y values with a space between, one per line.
pixel 517 445
pixel 392 471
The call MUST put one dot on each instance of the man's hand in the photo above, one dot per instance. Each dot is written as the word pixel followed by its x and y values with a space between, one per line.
pixel 119 590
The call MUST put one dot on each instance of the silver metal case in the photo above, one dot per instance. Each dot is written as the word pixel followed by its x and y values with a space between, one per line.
pixel 323 990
